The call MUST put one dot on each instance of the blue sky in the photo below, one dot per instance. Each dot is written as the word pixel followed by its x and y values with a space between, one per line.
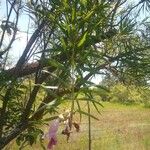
pixel 19 45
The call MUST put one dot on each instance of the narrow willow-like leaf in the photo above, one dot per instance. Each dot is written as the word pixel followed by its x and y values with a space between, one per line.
pixel 87 114
pixel 78 104
pixel 63 43
pixel 50 119
pixel 55 63
pixel 89 14
pixel 73 14
pixel 95 106
pixel 83 39
pixel 91 100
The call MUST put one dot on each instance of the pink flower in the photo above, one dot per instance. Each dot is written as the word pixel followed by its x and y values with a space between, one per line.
pixel 52 133
pixel 53 141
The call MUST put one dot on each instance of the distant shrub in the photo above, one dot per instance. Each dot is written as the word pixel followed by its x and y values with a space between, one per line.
pixel 102 92
pixel 146 97
pixel 119 93
pixel 127 94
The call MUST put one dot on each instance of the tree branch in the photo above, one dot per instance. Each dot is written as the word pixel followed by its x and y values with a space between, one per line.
pixel 33 38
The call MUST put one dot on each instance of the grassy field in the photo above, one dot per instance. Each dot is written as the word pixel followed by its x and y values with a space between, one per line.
pixel 120 127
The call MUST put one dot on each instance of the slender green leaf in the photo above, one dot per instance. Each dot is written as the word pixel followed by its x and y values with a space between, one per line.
pixel 83 39
pixel 50 119
pixel 78 104
pixel 91 100
pixel 89 14
pixel 87 114
pixel 96 107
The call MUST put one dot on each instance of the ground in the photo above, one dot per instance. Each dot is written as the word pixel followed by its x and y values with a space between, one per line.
pixel 120 127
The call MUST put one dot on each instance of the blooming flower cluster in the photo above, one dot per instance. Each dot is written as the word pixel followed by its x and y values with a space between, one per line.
pixel 51 135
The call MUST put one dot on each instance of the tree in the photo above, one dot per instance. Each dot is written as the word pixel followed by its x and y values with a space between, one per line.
pixel 72 41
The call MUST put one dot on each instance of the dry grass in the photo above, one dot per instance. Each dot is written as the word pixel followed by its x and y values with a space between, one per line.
pixel 119 127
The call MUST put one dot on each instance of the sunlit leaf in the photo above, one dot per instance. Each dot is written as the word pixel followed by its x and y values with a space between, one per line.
pixel 89 14
pixel 83 39
pixel 84 2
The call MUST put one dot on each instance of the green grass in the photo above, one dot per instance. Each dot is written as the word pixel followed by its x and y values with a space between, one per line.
pixel 120 127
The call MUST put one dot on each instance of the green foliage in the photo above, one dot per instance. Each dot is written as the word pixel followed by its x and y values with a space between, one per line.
pixel 29 137
pixel 102 92
pixel 129 94
pixel 145 94
pixel 73 41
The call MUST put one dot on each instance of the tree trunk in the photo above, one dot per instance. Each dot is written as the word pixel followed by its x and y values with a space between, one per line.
pixel 7 139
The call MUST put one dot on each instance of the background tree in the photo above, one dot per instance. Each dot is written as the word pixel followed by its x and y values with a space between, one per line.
pixel 72 41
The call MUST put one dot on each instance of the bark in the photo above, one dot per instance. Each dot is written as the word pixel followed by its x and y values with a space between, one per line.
pixel 33 38
pixel 7 139
pixel 26 70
